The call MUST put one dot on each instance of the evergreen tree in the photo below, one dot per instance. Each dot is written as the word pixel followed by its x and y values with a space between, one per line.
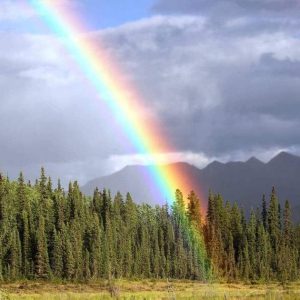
pixel 274 229
pixel 41 256
pixel 57 259
pixel 264 213
pixel 194 211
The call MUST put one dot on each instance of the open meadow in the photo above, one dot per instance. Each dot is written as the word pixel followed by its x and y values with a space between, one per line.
pixel 148 290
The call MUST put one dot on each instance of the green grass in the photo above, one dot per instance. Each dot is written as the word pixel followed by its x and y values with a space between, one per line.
pixel 147 290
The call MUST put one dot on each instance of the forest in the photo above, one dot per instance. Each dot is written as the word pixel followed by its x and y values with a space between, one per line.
pixel 51 234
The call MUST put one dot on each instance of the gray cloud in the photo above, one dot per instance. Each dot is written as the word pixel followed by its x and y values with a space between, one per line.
pixel 229 7
pixel 49 113
pixel 224 92
pixel 217 93
pixel 238 17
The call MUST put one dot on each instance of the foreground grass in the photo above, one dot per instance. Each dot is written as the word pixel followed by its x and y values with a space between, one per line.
pixel 147 290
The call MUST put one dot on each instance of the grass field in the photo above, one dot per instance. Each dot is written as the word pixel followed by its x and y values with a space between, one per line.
pixel 147 290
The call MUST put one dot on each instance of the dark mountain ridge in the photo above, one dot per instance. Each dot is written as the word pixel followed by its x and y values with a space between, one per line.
pixel 241 182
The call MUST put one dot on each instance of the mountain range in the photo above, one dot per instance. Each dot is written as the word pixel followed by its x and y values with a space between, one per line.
pixel 241 182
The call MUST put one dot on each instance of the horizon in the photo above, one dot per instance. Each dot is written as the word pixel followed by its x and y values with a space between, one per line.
pixel 223 162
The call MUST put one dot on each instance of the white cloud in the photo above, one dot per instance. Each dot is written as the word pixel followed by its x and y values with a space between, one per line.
pixel 196 159
pixel 14 10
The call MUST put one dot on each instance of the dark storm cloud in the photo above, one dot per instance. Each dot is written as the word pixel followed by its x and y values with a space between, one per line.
pixel 244 17
pixel 216 92
pixel 226 7
pixel 280 67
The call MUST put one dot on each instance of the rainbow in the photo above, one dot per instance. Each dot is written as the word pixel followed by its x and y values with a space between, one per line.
pixel 119 95
pixel 129 110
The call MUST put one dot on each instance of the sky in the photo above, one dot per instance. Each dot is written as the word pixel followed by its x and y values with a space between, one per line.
pixel 223 78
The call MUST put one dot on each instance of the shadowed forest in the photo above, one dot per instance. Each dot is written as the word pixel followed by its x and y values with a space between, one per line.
pixel 51 234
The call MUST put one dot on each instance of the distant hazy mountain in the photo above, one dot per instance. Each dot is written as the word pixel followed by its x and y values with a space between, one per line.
pixel 241 182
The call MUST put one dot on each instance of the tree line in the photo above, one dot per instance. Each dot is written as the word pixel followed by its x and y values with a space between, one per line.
pixel 49 233
pixel 264 247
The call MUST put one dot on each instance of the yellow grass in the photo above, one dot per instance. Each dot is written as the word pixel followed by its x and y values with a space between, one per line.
pixel 147 290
